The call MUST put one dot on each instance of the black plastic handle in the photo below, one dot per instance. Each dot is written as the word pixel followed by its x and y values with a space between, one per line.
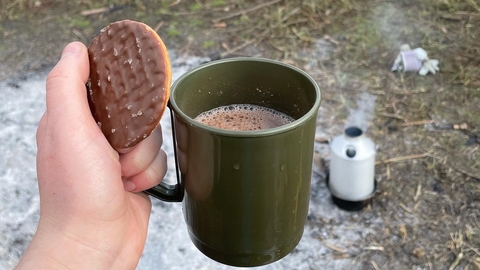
pixel 167 192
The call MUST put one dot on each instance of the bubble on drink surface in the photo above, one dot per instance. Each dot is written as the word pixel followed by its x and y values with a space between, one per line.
pixel 243 117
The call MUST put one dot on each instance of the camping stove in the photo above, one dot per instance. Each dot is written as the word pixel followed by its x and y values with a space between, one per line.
pixel 351 179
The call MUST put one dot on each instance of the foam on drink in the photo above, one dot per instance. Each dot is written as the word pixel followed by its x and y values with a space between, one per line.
pixel 243 117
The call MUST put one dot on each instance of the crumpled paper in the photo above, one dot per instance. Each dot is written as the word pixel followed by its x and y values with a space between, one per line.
pixel 415 60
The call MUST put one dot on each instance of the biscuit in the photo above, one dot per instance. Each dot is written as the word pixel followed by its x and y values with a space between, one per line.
pixel 129 84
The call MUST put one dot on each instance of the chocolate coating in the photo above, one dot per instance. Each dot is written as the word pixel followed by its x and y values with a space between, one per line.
pixel 129 83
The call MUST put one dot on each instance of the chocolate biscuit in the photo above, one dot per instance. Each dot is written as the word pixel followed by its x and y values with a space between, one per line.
pixel 129 83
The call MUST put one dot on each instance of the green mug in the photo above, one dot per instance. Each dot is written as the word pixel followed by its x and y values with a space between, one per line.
pixel 245 193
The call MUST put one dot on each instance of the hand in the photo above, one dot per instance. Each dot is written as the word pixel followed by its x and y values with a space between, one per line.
pixel 92 215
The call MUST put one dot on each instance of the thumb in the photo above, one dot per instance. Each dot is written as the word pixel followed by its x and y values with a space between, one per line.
pixel 66 91
pixel 68 113
pixel 68 116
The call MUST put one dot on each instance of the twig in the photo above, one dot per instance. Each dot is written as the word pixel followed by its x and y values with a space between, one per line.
pixel 341 256
pixel 220 25
pixel 94 11
pixel 176 2
pixel 406 208
pixel 451 17
pixel 321 139
pixel 237 48
pixel 159 25
pixel 80 35
pixel 186 49
pixel 200 3
pixel 465 13
pixel 414 123
pixel 246 11
pixel 106 10
pixel 459 15
pixel 394 116
pixel 12 5
pixel 474 5
pixel 472 248
pixel 379 248
pixel 419 191
pixel 335 248
pixel 374 264
pixel 403 158
pixel 457 260
pixel 389 175
pixel 469 152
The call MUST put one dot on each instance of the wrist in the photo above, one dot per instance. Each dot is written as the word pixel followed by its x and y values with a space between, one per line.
pixel 55 249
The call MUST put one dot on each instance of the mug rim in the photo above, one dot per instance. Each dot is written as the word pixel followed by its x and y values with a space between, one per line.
pixel 254 133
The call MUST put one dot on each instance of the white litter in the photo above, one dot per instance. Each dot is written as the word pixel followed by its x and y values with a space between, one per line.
pixel 409 60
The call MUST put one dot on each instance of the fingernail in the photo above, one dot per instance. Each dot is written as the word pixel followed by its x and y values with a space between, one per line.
pixel 129 185
pixel 124 151
pixel 72 49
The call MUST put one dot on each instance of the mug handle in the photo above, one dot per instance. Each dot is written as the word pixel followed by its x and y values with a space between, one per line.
pixel 167 192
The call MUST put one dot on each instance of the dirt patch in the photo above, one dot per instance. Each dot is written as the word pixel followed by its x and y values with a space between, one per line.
pixel 427 129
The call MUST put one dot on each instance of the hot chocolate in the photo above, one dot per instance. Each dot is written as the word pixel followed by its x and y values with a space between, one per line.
pixel 243 117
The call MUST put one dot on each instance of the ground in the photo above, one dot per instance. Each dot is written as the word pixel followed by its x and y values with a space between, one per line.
pixel 426 210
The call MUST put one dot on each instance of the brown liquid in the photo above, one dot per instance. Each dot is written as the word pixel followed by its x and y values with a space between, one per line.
pixel 243 117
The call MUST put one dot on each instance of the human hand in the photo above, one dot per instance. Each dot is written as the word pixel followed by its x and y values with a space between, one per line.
pixel 92 215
